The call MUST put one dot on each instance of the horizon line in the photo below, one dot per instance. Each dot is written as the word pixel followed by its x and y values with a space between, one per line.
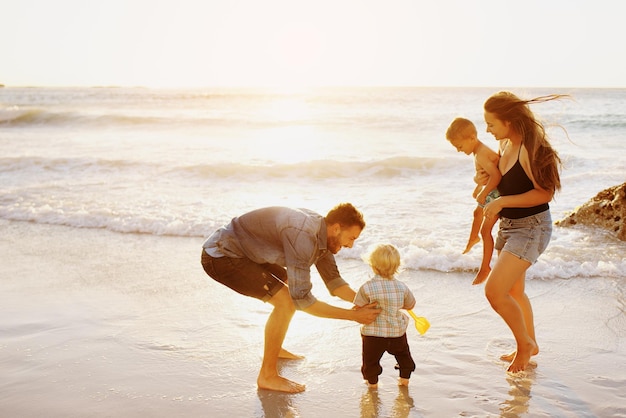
pixel 297 88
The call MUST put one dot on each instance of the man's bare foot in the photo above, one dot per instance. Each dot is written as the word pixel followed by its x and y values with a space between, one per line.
pixel 481 276
pixel 522 357
pixel 284 354
pixel 280 384
pixel 509 357
pixel 470 244
pixel 403 382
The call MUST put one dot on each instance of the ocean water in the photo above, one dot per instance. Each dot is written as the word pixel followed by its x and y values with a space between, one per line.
pixel 106 310
pixel 183 162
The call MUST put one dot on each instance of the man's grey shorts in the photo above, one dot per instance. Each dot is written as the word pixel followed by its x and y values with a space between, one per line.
pixel 245 276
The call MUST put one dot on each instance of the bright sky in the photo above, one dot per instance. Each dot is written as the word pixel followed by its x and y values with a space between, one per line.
pixel 294 43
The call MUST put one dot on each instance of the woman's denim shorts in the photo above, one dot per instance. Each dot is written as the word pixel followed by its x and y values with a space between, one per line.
pixel 526 237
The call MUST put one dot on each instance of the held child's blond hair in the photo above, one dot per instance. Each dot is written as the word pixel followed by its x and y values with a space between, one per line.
pixel 460 129
pixel 384 260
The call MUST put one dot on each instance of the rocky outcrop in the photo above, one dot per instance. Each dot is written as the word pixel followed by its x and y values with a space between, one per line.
pixel 606 210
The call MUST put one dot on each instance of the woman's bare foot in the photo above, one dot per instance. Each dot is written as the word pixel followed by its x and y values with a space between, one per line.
pixel 403 382
pixel 522 357
pixel 280 384
pixel 509 357
pixel 470 244
pixel 284 354
pixel 481 276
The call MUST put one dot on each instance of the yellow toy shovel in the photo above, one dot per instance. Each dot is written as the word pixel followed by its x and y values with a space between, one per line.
pixel 421 323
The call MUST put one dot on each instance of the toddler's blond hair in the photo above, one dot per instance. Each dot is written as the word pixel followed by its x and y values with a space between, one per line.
pixel 384 260
pixel 461 128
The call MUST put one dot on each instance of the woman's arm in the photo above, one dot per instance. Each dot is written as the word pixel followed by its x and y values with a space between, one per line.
pixel 529 199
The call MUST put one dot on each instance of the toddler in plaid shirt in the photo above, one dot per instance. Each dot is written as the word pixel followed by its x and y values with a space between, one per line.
pixel 388 332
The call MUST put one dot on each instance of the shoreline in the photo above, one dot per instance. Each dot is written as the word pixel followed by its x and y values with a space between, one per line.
pixel 97 323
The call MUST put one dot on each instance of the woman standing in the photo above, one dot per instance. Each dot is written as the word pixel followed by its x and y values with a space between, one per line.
pixel 530 177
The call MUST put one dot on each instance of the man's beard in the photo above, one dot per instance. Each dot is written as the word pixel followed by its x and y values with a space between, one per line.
pixel 333 244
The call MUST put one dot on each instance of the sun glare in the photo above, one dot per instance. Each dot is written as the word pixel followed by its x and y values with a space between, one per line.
pixel 294 54
pixel 292 144
pixel 289 109
pixel 289 137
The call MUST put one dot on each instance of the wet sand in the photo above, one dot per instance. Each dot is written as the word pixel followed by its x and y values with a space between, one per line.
pixel 100 324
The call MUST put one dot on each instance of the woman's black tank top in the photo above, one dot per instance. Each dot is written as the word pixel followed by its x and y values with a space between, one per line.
pixel 515 181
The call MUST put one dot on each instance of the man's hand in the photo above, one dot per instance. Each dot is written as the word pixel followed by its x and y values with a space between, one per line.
pixel 366 314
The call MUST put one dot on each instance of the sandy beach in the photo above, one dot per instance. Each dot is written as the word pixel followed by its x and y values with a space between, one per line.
pixel 99 324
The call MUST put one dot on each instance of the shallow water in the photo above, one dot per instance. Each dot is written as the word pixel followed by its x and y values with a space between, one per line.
pixel 107 324
pixel 183 162
pixel 107 194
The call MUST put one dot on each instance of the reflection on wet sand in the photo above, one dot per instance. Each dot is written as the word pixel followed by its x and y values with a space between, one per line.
pixel 521 384
pixel 278 404
pixel 403 404
pixel 372 407
pixel 370 404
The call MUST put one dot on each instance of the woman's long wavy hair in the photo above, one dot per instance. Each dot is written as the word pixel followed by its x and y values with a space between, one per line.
pixel 545 162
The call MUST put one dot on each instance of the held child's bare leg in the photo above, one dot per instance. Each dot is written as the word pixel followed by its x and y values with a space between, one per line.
pixel 482 274
pixel 474 238
pixel 485 267
pixel 506 272
pixel 275 331
pixel 518 293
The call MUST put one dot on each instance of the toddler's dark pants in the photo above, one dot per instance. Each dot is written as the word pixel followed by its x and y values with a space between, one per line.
pixel 373 350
